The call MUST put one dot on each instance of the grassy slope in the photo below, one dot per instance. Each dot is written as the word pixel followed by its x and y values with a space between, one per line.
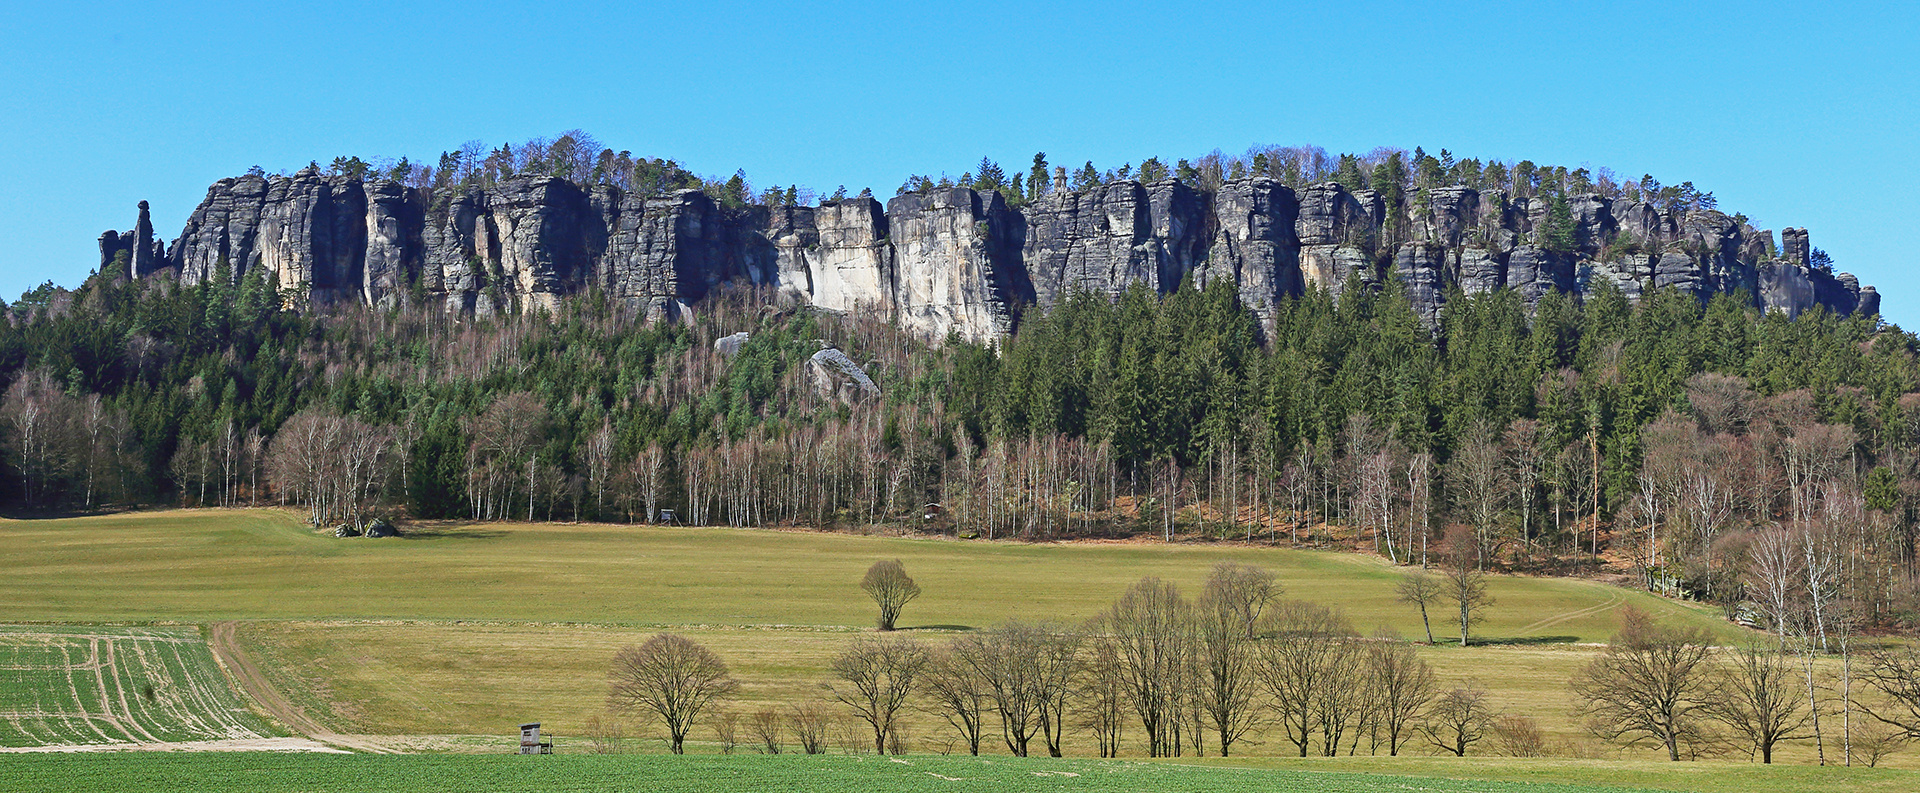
pixel 264 565
pixel 471 630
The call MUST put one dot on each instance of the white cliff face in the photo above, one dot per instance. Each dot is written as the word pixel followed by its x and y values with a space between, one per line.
pixel 950 250
pixel 852 268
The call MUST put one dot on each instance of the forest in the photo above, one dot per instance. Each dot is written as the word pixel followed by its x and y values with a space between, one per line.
pixel 1661 439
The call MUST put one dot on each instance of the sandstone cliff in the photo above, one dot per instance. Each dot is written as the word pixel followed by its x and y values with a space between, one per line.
pixel 956 260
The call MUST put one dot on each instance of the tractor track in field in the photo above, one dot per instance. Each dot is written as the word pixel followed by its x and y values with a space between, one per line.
pixel 1556 619
pixel 227 650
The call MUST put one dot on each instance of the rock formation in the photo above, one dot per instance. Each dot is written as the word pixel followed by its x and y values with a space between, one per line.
pixel 954 260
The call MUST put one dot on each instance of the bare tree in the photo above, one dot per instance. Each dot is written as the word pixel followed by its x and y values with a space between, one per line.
pixel 671 675
pixel 1755 696
pixel 1304 657
pixel 1226 619
pixel 959 690
pixel 726 729
pixel 810 727
pixel 1103 692
pixel 1459 719
pixel 1465 583
pixel 1056 667
pixel 38 416
pixel 1420 588
pixel 604 735
pixel 1475 478
pixel 877 677
pixel 891 588
pixel 1895 673
pixel 1151 629
pixel 1403 687
pixel 1652 684
pixel 1518 736
pixel 768 729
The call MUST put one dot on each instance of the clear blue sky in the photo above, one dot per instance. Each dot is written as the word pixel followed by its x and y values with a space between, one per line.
pixel 1797 116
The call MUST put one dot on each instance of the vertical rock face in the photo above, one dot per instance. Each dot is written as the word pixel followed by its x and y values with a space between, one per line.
pixel 777 252
pixel 1330 228
pixel 957 263
pixel 853 267
pixel 1534 271
pixel 395 220
pixel 1254 243
pixel 1794 246
pixel 1180 219
pixel 955 260
pixel 1100 240
pixel 1480 271
pixel 454 236
pixel 143 253
pixel 1419 267
pixel 540 242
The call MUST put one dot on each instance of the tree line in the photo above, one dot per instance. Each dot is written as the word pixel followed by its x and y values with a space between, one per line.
pixel 1180 676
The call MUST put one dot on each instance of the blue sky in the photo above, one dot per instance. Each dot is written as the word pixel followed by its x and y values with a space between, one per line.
pixel 1797 115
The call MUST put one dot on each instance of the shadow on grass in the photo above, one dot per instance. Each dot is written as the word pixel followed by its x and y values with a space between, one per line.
pixel 1516 641
pixel 937 628
pixel 449 531
pixel 17 512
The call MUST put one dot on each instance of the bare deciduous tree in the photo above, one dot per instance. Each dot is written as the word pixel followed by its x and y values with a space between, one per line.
pixel 1151 629
pixel 877 677
pixel 1403 687
pixel 1420 588
pixel 726 729
pixel 1652 684
pixel 1515 735
pixel 1756 697
pixel 671 675
pixel 1226 620
pixel 768 729
pixel 1103 692
pixel 958 689
pixel 810 727
pixel 891 588
pixel 1305 656
pixel 1459 719
pixel 1465 583
pixel 1895 673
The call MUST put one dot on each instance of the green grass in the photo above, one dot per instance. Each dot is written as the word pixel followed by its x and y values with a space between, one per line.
pixel 65 685
pixel 469 630
pixel 801 774
pixel 264 564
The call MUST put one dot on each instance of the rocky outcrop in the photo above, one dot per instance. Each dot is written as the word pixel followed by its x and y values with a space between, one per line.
pixel 853 266
pixel 837 377
pixel 395 226
pixel 957 264
pixel 143 254
pixel 953 260
pixel 1100 240
pixel 1254 245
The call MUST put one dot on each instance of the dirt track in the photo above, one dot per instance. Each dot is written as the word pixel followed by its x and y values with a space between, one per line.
pixel 227 650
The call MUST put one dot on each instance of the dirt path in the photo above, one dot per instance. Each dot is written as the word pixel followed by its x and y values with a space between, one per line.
pixel 227 650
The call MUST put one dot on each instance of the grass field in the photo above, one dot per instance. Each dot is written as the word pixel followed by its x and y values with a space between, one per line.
pixel 86 685
pixel 466 631
pixel 802 774
pixel 263 564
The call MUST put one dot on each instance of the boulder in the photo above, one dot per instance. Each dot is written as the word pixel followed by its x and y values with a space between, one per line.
pixel 837 377
pixel 729 346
